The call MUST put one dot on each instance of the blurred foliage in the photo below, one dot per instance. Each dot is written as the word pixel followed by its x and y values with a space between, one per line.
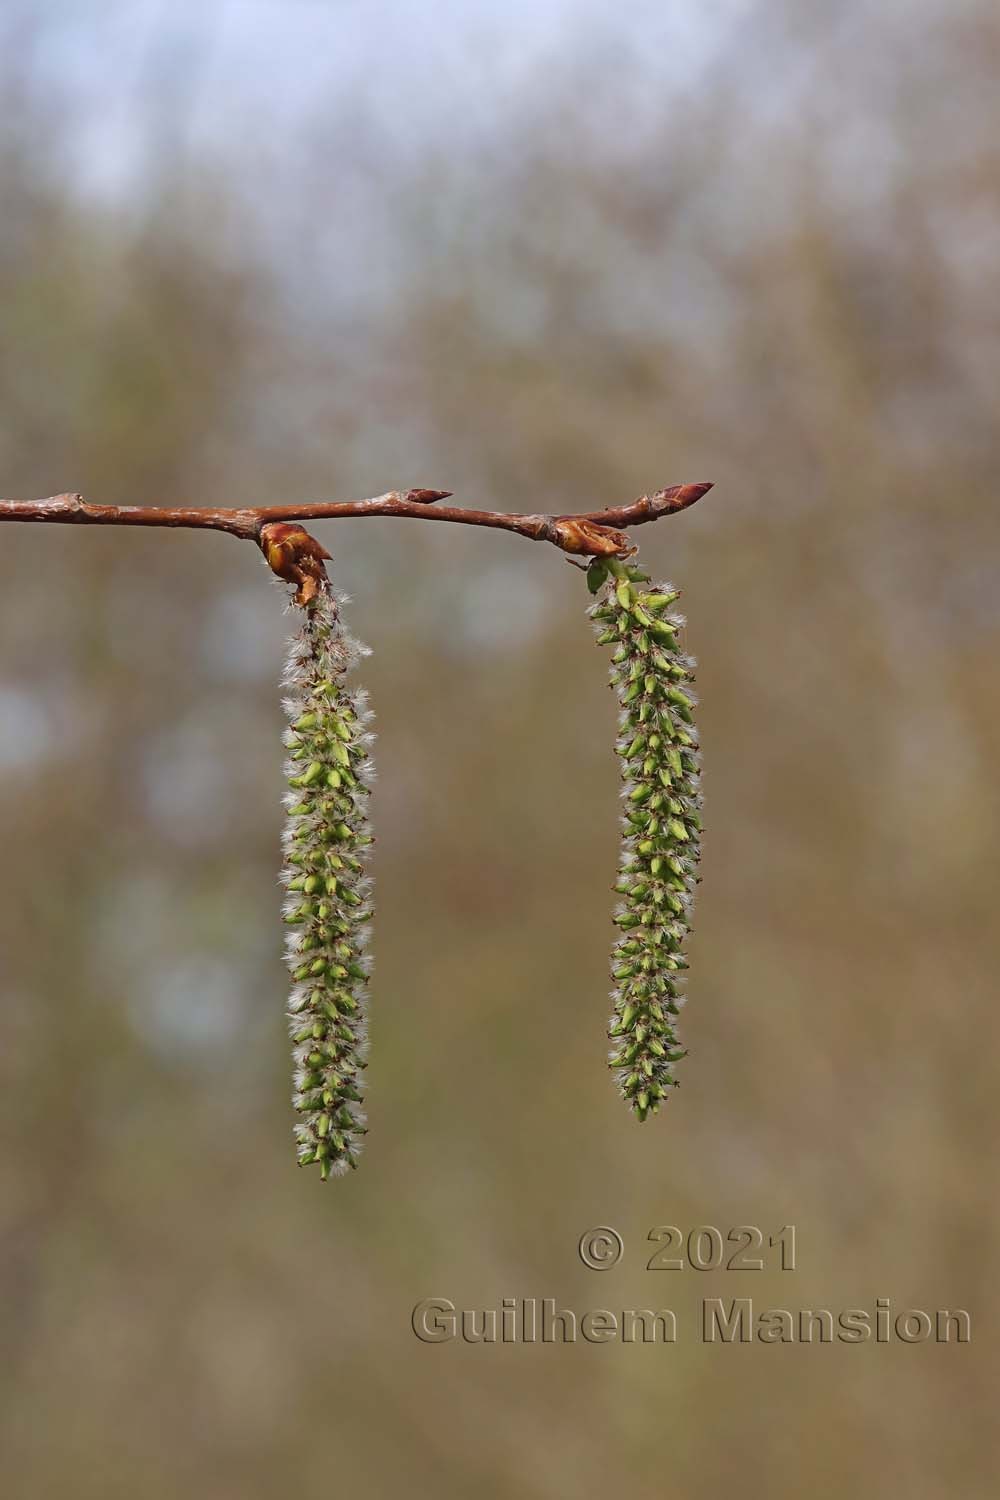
pixel 782 278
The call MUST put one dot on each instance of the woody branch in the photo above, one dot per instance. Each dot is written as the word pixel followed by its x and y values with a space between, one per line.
pixel 287 545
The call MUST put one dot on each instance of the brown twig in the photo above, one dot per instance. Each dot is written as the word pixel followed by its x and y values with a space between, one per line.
pixel 596 533
pixel 585 533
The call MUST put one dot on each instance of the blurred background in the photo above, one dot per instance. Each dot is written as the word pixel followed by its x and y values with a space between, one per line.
pixel 548 255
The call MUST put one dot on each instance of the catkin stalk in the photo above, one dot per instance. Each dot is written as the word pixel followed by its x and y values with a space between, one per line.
pixel 658 747
pixel 327 907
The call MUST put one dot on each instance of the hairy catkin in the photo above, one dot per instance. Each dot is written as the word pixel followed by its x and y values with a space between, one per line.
pixel 658 746
pixel 328 902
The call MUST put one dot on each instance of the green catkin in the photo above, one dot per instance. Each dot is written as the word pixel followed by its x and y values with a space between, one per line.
pixel 657 873
pixel 327 908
